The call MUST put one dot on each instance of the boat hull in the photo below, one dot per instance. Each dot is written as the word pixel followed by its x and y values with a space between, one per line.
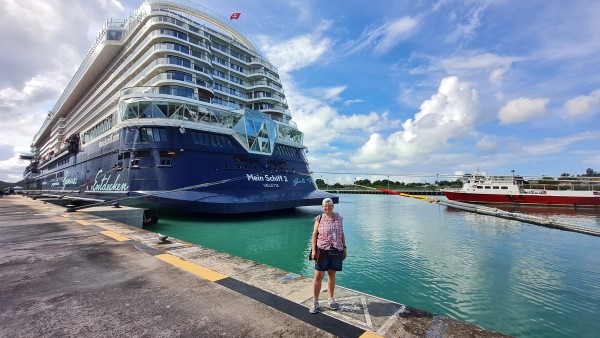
pixel 180 177
pixel 529 199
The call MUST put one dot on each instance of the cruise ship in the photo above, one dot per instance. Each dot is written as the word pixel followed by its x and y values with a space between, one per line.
pixel 174 108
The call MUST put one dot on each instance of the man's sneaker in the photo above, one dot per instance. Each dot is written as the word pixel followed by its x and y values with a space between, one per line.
pixel 332 304
pixel 314 307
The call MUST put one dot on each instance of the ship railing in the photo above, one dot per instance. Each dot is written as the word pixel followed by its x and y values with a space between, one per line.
pixel 563 187
pixel 195 111
pixel 225 23
pixel 262 61
pixel 127 26
pixel 164 61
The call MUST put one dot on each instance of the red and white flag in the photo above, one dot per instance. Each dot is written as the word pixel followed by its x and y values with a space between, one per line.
pixel 235 16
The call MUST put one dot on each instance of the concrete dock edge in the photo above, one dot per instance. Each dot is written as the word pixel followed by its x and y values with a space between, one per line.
pixel 281 291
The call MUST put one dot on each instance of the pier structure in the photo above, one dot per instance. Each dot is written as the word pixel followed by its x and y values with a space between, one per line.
pixel 77 274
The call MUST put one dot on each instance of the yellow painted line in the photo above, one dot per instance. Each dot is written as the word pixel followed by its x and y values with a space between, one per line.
pixel 65 215
pixel 196 269
pixel 369 334
pixel 114 235
pixel 83 222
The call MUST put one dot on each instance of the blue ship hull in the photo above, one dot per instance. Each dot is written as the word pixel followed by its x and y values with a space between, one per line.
pixel 179 175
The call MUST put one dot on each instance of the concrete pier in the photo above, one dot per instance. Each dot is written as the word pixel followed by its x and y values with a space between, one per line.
pixel 77 274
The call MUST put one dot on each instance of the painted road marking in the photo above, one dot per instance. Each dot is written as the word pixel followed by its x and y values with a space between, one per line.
pixel 114 235
pixel 369 334
pixel 196 269
pixel 83 222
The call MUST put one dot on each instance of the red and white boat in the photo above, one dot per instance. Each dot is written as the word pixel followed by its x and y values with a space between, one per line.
pixel 480 188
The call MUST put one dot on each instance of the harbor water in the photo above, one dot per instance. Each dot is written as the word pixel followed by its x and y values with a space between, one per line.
pixel 503 275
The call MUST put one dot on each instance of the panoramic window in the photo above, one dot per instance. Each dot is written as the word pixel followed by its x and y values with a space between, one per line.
pixel 286 151
pixel 173 32
pixel 178 75
pixel 114 35
pixel 176 60
pixel 100 128
pixel 206 139
pixel 177 91
pixel 153 134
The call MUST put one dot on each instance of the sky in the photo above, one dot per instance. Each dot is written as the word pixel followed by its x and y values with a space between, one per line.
pixel 412 90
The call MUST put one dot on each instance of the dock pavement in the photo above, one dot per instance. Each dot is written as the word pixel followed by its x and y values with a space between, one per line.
pixel 73 274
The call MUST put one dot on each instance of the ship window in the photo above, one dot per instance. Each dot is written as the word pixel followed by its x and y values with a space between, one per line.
pixel 169 153
pixel 286 151
pixel 153 134
pixel 98 129
pixel 219 141
pixel 488 187
pixel 175 60
pixel 495 187
pixel 181 48
pixel 114 35
pixel 141 153
pixel 236 67
pixel 219 74
pixel 177 91
pixel 213 140
pixel 166 163
pixel 503 187
pixel 197 138
pixel 479 187
pixel 177 75
pixel 174 33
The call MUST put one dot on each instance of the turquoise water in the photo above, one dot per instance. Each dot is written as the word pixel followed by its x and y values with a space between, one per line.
pixel 503 275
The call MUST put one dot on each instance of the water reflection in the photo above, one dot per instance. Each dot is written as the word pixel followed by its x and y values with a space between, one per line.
pixel 504 275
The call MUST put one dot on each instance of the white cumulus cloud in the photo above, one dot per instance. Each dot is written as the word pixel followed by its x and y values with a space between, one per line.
pixel 522 109
pixel 583 105
pixel 298 52
pixel 450 113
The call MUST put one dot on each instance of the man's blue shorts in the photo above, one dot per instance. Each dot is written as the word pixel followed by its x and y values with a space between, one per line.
pixel 326 262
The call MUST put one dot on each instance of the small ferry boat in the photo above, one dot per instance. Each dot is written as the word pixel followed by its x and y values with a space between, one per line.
pixel 478 188
pixel 174 108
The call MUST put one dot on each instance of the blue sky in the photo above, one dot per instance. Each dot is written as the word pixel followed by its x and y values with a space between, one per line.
pixel 378 87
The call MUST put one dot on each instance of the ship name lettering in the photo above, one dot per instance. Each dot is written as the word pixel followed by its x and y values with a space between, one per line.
pixel 275 178
pixel 104 184
pixel 302 181
pixel 254 178
pixel 107 140
pixel 68 180
pixel 271 185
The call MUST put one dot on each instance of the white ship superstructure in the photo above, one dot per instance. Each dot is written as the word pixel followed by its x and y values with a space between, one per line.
pixel 171 92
